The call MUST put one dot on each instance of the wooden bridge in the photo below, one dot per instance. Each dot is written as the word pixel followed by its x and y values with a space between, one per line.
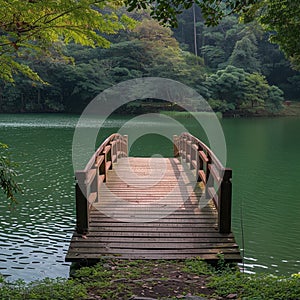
pixel 153 208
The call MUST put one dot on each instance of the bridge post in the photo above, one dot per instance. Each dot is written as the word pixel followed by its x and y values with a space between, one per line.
pixel 119 147
pixel 184 147
pixel 189 151
pixel 114 152
pixel 225 195
pixel 82 211
pixel 126 144
pixel 209 179
pixel 175 146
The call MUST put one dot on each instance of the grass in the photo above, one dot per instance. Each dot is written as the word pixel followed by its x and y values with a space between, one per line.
pixel 46 289
pixel 122 279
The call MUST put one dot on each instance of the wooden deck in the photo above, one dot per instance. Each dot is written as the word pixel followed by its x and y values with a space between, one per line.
pixel 151 208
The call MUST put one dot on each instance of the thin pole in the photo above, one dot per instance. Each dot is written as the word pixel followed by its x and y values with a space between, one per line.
pixel 195 30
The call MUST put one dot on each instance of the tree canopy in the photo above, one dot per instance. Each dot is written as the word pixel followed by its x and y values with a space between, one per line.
pixel 41 27
pixel 166 11
pixel 279 17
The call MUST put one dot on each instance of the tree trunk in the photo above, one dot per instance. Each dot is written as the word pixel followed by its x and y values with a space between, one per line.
pixel 195 30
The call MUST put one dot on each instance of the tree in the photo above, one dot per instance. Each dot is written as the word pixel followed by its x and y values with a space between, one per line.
pixel 42 26
pixel 244 55
pixel 240 91
pixel 227 85
pixel 281 18
pixel 166 11
pixel 256 91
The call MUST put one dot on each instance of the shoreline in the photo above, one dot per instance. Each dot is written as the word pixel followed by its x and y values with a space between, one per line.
pixel 190 279
pixel 290 109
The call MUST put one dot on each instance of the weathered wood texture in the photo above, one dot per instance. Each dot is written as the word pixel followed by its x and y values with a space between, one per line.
pixel 149 209
pixel 88 181
pixel 210 171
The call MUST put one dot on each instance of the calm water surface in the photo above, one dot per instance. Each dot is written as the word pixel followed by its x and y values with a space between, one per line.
pixel 264 155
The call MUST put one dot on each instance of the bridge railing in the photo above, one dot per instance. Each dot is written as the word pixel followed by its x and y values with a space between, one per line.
pixel 89 180
pixel 215 177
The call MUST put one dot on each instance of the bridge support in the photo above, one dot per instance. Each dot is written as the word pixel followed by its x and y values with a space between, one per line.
pixel 82 211
pixel 225 204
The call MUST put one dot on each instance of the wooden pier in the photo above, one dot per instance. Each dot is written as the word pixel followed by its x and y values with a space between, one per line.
pixel 153 208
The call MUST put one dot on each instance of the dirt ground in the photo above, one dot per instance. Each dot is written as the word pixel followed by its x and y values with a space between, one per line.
pixel 151 280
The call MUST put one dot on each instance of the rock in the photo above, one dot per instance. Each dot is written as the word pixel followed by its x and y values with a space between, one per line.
pixel 189 298
pixel 141 298
pixel 194 298
pixel 232 296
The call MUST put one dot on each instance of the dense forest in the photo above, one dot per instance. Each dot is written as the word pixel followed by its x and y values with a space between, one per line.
pixel 233 65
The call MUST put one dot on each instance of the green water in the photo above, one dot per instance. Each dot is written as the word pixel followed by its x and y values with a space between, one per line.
pixel 264 155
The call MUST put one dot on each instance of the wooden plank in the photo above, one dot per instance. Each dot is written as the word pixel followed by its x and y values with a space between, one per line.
pixel 153 208
pixel 92 197
pixel 164 220
pixel 152 213
pixel 232 257
pixel 142 227
pixel 178 238
pixel 212 192
pixel 113 158
pixel 101 178
pixel 137 245
pixel 203 156
pixel 202 175
pixel 90 175
pixel 185 232
pixel 107 149
pixel 108 165
pixel 99 161
pixel 106 250
pixel 215 172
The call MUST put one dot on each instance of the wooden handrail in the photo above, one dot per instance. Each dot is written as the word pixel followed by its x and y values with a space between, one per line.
pixel 89 180
pixel 211 172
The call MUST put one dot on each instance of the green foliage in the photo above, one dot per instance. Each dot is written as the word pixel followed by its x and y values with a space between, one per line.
pixel 47 289
pixel 281 18
pixel 166 11
pixel 8 174
pixel 260 286
pixel 150 50
pixel 40 27
pixel 244 55
pixel 198 266
pixel 235 89
pixel 121 279
pixel 256 90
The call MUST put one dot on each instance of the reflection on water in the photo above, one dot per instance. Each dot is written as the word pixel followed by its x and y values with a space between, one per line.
pixel 263 153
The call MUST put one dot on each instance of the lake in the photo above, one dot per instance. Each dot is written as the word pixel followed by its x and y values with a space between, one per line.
pixel 263 153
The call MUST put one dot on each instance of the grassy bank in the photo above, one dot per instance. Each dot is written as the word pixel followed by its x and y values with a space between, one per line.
pixel 122 279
